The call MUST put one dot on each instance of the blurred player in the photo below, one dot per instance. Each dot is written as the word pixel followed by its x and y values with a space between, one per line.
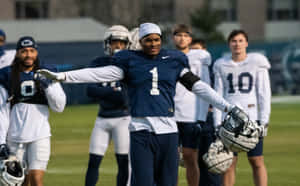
pixel 198 44
pixel 190 111
pixel 243 80
pixel 151 75
pixel 29 96
pixel 135 44
pixel 206 178
pixel 113 116
pixel 6 56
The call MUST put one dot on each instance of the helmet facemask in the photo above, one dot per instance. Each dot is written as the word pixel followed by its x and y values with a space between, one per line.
pixel 116 33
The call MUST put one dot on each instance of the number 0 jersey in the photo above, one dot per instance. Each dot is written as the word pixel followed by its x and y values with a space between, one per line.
pixel 28 117
pixel 245 84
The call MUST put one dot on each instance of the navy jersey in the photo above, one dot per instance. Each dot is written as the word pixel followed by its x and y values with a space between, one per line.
pixel 112 96
pixel 151 82
pixel 29 91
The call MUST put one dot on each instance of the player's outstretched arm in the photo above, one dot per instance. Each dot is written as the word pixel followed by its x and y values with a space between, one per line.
pixel 86 75
pixel 203 90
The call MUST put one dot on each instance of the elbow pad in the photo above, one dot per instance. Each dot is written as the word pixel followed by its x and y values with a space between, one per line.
pixel 188 80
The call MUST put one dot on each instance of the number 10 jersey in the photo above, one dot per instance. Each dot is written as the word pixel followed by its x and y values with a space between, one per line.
pixel 245 84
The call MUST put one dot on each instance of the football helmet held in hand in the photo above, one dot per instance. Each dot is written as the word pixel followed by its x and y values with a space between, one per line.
pixel 238 132
pixel 12 172
pixel 218 159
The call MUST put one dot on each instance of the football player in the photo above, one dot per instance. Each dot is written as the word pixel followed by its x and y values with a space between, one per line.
pixel 206 177
pixel 113 116
pixel 243 80
pixel 6 56
pixel 198 44
pixel 190 111
pixel 151 75
pixel 28 96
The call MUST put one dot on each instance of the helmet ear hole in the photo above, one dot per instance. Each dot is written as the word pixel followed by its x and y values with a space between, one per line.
pixel 14 168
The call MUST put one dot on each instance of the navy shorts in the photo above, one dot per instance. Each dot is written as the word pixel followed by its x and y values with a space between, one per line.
pixel 154 158
pixel 188 136
pixel 257 151
pixel 207 178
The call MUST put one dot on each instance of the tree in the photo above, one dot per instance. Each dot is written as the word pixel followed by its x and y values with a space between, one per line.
pixel 206 21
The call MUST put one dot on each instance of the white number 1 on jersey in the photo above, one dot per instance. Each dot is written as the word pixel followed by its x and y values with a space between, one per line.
pixel 154 90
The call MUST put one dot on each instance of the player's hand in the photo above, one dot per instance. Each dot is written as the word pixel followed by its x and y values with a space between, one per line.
pixel 4 151
pixel 43 80
pixel 52 75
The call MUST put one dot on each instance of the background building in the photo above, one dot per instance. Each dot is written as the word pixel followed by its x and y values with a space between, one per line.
pixel 263 19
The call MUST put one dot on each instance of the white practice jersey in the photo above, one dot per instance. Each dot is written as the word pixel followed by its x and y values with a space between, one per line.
pixel 29 122
pixel 189 107
pixel 245 84
pixel 7 58
pixel 4 114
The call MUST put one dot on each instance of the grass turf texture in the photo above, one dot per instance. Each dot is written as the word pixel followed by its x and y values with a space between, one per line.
pixel 70 143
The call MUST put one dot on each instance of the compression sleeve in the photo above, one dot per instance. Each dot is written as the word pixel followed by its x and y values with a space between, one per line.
pixel 95 75
pixel 205 92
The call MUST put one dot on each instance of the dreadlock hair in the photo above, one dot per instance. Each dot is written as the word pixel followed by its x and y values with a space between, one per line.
pixel 16 69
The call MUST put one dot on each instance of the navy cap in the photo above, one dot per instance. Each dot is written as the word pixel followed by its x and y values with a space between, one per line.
pixel 26 41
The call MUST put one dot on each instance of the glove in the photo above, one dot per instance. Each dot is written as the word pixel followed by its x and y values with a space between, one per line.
pixel 52 75
pixel 4 151
pixel 44 82
pixel 263 129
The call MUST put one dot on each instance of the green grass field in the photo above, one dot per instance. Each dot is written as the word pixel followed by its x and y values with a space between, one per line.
pixel 70 143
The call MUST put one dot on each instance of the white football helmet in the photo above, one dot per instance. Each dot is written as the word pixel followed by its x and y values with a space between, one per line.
pixel 12 172
pixel 238 132
pixel 218 159
pixel 116 32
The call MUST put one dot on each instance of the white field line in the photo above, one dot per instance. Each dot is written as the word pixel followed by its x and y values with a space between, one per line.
pixel 286 99
pixel 77 171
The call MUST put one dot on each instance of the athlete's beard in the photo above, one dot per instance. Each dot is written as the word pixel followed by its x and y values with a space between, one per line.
pixel 26 66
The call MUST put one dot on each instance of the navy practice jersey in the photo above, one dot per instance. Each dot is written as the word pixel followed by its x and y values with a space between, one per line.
pixel 151 82
pixel 29 93
pixel 112 96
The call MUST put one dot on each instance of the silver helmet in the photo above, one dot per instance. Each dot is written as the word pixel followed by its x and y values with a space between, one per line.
pixel 116 32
